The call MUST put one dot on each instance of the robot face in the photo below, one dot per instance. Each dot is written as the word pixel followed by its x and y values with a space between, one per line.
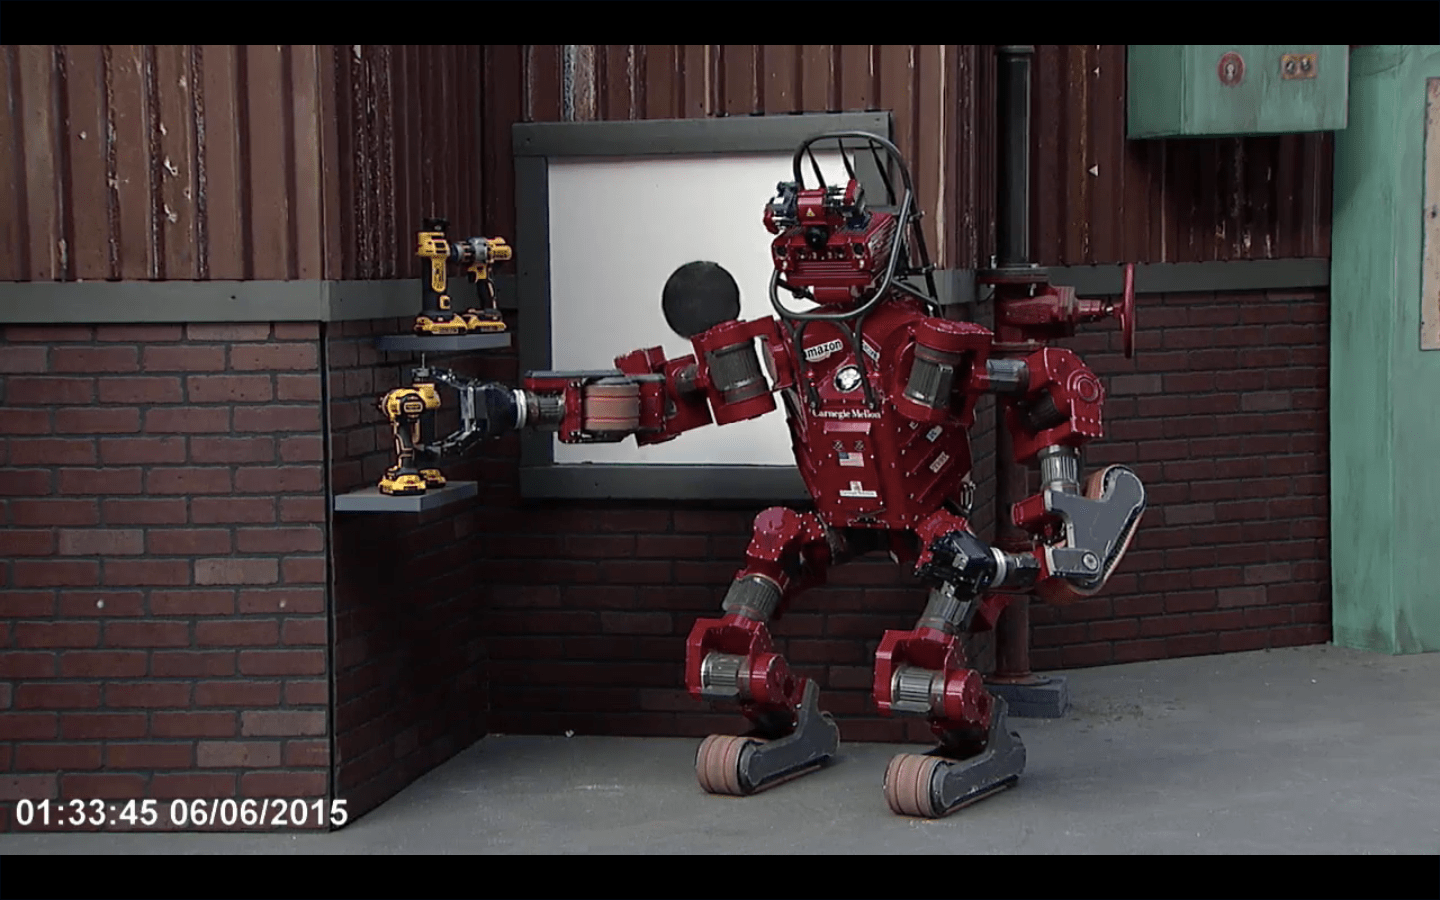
pixel 847 379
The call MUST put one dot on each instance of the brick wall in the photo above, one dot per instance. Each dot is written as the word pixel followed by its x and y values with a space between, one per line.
pixel 162 580
pixel 410 688
pixel 1223 415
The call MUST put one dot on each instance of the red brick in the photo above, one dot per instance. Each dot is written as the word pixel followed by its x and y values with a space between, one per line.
pixel 297 387
pixel 296 331
pixel 237 693
pixel 51 452
pixel 281 723
pixel 306 631
pixel 223 450
pixel 188 481
pixel 206 510
pixel 23 359
pixel 279 480
pixel 272 357
pixel 1267 574
pixel 114 451
pixel 279 540
pixel 190 785
pixel 292 600
pixel 282 662
pixel 302 449
pixel 307 693
pixel 1192 645
pixel 155 756
pixel 27 787
pixel 101 726
pixel 147 695
pixel 144 512
pixel 1189 601
pixel 108 604
pixel 184 664
pixel 236 633
pixel 1114 630
pixel 29 726
pixel 277 418
pixel 307 753
pixel 27 604
pixel 1241 596
pixel 54 512
pixel 229 388
pixel 184 359
pixel 25 421
pixel 102 542
pixel 302 509
pixel 29 543
pixel 1236 641
pixel 193 724
pixel 636 623
pixel 188 541
pixel 149 572
pixel 103 664
pixel 1225 620
pixel 304 570
pixel 141 389
pixel 54 572
pixel 189 420
pixel 1261 616
pixel 233 332
pixel 94 359
pixel 54 696
pixel 147 634
pixel 100 481
pixel 1133 651
pixel 235 571
pixel 48 391
pixel 237 754
pixel 25 482
pixel 103 787
pixel 192 603
pixel 53 757
pixel 285 785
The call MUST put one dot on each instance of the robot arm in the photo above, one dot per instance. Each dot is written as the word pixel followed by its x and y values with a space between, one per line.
pixel 1081 529
pixel 645 395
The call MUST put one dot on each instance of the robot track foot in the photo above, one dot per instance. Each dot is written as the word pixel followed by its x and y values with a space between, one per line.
pixel 748 764
pixel 934 785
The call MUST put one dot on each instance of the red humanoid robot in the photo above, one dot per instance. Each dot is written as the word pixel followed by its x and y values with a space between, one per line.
pixel 879 391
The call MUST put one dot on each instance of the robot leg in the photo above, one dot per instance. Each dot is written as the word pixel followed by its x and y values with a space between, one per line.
pixel 731 662
pixel 923 672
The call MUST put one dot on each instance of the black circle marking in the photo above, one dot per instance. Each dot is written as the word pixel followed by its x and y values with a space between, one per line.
pixel 698 296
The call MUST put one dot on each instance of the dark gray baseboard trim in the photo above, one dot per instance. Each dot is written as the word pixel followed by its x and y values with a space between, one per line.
pixel 110 302
pixel 1203 277
pixel 780 484
pixel 673 137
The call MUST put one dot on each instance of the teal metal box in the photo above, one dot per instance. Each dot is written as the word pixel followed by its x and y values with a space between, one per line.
pixel 1189 90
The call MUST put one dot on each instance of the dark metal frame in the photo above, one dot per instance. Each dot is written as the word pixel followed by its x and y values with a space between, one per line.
pixel 535 144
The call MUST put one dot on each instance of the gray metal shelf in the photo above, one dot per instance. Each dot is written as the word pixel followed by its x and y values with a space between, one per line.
pixel 370 500
pixel 438 343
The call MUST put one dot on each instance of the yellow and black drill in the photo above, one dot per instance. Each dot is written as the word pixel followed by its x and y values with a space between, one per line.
pixel 404 407
pixel 476 255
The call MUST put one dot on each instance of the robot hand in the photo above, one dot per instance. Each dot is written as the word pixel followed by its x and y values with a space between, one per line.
pixel 963 561
pixel 487 409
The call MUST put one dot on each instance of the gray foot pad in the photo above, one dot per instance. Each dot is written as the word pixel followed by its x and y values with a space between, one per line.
pixel 1050 700
pixel 815 739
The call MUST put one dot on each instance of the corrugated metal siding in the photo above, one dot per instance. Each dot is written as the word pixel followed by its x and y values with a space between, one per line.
pixel 409 148
pixel 1102 199
pixel 185 162
pixel 942 110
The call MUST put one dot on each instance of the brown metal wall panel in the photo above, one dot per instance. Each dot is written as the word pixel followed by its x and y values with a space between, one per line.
pixel 13 218
pixel 267 157
pixel 780 77
pixel 1100 198
pixel 221 189
pixel 176 158
pixel 43 200
pixel 87 231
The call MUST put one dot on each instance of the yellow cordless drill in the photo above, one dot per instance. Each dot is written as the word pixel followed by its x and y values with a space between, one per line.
pixel 404 407
pixel 477 255
pixel 437 315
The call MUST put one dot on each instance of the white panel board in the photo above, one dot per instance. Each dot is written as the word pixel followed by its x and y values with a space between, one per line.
pixel 618 229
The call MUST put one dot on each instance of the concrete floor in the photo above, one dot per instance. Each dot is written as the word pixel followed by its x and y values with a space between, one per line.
pixel 1309 750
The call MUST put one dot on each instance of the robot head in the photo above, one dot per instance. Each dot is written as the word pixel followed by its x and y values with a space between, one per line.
pixel 832 249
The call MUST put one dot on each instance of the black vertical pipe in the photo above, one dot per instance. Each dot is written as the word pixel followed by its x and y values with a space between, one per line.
pixel 1012 214
pixel 1012 226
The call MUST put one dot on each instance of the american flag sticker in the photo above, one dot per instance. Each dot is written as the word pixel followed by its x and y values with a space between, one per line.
pixel 856 460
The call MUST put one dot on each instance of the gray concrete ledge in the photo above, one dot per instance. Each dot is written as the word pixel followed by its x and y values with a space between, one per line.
pixel 109 302
pixel 370 500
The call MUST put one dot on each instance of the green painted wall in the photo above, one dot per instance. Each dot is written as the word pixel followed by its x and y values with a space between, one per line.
pixel 1384 390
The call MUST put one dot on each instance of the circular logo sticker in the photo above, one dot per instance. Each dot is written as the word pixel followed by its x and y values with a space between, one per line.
pixel 1231 69
pixel 847 379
